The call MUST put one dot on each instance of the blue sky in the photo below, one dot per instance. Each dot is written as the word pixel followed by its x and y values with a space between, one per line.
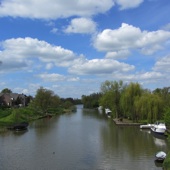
pixel 72 46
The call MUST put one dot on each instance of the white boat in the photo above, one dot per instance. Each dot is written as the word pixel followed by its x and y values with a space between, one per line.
pixel 148 126
pixel 108 112
pixel 160 156
pixel 159 128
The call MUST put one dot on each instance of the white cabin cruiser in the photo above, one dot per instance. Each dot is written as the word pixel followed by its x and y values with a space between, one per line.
pixel 159 128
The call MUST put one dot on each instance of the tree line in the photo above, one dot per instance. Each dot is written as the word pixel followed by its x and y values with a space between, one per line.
pixel 132 101
pixel 44 103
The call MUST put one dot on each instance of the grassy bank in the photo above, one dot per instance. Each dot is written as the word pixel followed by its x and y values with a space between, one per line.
pixel 166 163
pixel 10 116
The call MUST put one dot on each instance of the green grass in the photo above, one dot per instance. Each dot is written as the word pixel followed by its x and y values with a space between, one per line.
pixel 5 112
pixel 16 115
pixel 166 163
pixel 10 116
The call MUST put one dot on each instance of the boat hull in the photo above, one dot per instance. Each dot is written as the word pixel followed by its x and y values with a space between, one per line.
pixel 148 126
pixel 159 128
pixel 19 126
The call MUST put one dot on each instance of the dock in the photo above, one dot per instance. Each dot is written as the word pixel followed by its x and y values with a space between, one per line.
pixel 125 122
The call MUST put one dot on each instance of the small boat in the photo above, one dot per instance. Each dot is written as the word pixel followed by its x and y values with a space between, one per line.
pixel 148 126
pixel 160 156
pixel 108 112
pixel 159 128
pixel 19 126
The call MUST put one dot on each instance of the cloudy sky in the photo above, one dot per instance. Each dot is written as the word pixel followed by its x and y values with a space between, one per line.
pixel 72 46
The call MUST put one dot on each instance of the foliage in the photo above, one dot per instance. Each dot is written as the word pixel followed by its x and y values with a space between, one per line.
pixel 44 99
pixel 131 93
pixel 111 95
pixel 6 90
pixel 164 94
pixel 16 115
pixel 45 102
pixel 149 106
pixel 4 112
pixel 167 116
pixel 91 101
pixel 133 102
pixel 71 100
pixel 166 163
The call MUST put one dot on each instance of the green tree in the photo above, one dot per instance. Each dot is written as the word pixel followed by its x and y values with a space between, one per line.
pixel 44 100
pixel 91 101
pixel 149 107
pixel 167 116
pixel 130 94
pixel 111 94
pixel 6 90
pixel 164 94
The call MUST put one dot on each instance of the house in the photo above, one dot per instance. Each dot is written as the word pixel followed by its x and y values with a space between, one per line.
pixel 13 99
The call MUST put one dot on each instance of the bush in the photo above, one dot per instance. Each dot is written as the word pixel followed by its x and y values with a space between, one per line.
pixel 166 163
pixel 5 112
pixel 167 116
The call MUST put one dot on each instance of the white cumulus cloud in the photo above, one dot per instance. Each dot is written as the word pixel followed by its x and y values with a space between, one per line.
pixel 125 4
pixel 128 37
pixel 163 65
pixel 53 9
pixel 52 77
pixel 100 67
pixel 118 54
pixel 21 53
pixel 81 25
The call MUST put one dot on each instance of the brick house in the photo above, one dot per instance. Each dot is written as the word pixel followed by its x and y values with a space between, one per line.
pixel 13 99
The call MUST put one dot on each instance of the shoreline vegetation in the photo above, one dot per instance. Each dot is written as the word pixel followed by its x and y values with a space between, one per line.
pixel 44 104
pixel 133 104
pixel 12 116
pixel 129 102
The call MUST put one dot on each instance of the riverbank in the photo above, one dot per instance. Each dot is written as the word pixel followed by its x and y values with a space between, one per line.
pixel 166 163
pixel 11 116
pixel 125 122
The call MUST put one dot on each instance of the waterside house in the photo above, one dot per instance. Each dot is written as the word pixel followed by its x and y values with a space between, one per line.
pixel 13 100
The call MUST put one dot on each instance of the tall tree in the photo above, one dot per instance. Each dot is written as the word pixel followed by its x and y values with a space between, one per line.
pixel 91 101
pixel 131 93
pixel 165 94
pixel 45 99
pixel 6 90
pixel 112 91
pixel 149 107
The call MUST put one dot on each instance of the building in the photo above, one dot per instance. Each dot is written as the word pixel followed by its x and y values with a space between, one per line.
pixel 13 99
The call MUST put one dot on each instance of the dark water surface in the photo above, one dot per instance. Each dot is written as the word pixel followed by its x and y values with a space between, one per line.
pixel 83 140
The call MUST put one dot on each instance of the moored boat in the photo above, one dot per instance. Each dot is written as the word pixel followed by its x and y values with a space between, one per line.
pixel 160 156
pixel 108 112
pixel 19 126
pixel 159 128
pixel 147 126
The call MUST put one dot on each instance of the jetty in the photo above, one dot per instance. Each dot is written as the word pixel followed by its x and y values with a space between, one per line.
pixel 125 122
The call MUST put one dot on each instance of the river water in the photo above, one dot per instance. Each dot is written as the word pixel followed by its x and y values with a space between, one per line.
pixel 83 140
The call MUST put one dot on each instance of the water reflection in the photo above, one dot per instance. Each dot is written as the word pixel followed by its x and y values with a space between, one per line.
pixel 82 140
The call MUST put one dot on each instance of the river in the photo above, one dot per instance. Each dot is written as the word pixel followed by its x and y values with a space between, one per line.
pixel 84 140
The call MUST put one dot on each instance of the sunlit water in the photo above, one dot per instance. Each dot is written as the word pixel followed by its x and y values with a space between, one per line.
pixel 82 140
